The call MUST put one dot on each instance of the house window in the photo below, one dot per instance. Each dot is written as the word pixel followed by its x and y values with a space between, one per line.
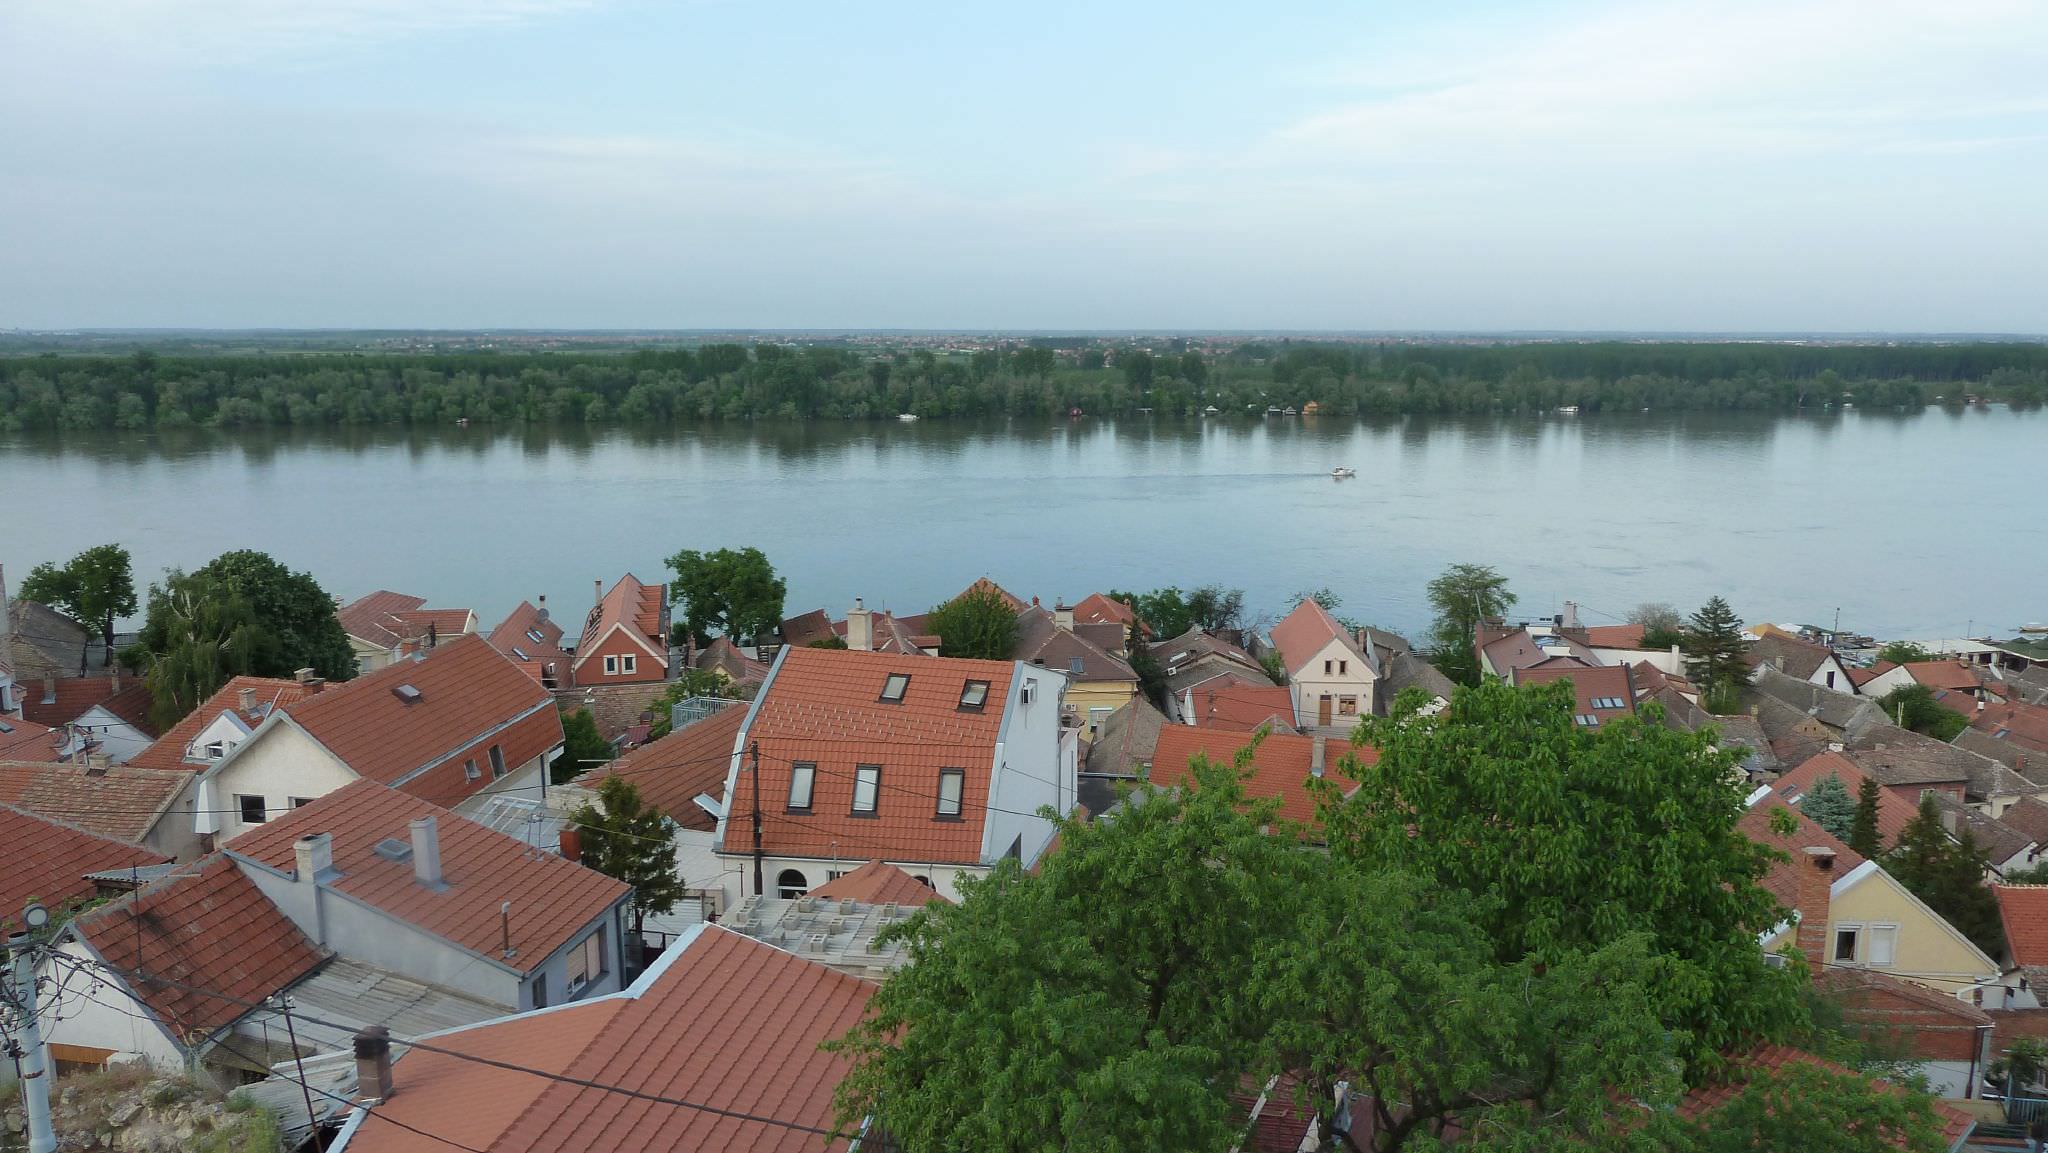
pixel 1097 715
pixel 586 961
pixel 301 802
pixel 791 884
pixel 1884 945
pixel 803 776
pixel 1845 946
pixel 469 770
pixel 1609 703
pixel 629 664
pixel 867 787
pixel 924 880
pixel 1831 680
pixel 1347 706
pixel 611 666
pixel 1327 666
pixel 215 750
pixel 253 809
pixel 497 762
pixel 894 687
pixel 540 991
pixel 1075 666
pixel 1344 668
pixel 535 636
pixel 1588 720
pixel 951 782
pixel 973 695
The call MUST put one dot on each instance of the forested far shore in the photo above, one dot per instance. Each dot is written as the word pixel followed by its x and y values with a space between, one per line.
pixel 732 382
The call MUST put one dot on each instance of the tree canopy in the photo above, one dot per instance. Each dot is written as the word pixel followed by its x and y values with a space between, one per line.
pixel 625 838
pixel 1863 835
pixel 729 592
pixel 583 748
pixel 1463 596
pixel 1169 612
pixel 1662 624
pixel 1904 653
pixel 1715 650
pixel 1948 874
pixel 96 588
pixel 1829 805
pixel 977 623
pixel 241 613
pixel 1914 707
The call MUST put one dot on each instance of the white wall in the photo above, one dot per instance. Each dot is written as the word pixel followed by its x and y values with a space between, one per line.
pixel 1885 682
pixel 1035 765
pixel 1311 684
pixel 1668 661
pixel 175 833
pixel 104 1018
pixel 524 781
pixel 945 878
pixel 118 739
pixel 278 762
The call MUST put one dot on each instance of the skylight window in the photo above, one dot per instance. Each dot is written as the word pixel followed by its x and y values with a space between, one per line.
pixel 951 783
pixel 1609 703
pixel 1074 664
pixel 803 776
pixel 520 653
pixel 894 687
pixel 974 695
pixel 867 789
pixel 535 636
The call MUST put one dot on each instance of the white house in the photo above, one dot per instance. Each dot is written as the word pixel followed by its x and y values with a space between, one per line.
pixel 1335 679
pixel 1802 659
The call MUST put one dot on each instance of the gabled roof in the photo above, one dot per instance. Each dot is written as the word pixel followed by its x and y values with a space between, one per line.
pixel 1098 609
pixel 633 606
pixel 1999 841
pixel 984 584
pixel 825 707
pixel 1788 654
pixel 532 638
pixel 1833 709
pixel 1306 631
pixel 1521 649
pixel 736 664
pixel 553 900
pixel 1900 756
pixel 1863 676
pixel 1783 878
pixel 1595 689
pixel 1953 675
pixel 468 694
pixel 121 801
pixel 46 642
pixel 268 693
pixel 388 619
pixel 720 1020
pixel 1040 641
pixel 2024 909
pixel 672 772
pixel 28 741
pixel 805 628
pixel 1239 702
pixel 128 700
pixel 48 860
pixel 1615 636
pixel 1126 738
pixel 2029 815
pixel 206 926
pixel 2015 724
pixel 1893 811
pixel 879 883
pixel 1407 670
pixel 1281 766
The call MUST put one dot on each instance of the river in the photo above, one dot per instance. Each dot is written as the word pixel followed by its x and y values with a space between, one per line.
pixel 1918 524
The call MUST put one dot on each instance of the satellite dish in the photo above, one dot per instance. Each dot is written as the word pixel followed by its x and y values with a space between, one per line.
pixel 35 915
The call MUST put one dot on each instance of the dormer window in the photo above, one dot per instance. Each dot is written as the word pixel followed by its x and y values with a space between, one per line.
pixel 973 696
pixel 894 687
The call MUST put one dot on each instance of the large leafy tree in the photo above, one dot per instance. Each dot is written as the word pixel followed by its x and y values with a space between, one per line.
pixel 1948 873
pixel 1714 649
pixel 1830 806
pixel 1169 612
pixel 622 836
pixel 1463 596
pixel 1914 707
pixel 731 592
pixel 692 683
pixel 1904 653
pixel 1815 1109
pixel 96 587
pixel 1662 626
pixel 201 641
pixel 977 623
pixel 294 614
pixel 1583 837
pixel 583 747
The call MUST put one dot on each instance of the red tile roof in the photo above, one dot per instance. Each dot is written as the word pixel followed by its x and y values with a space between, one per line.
pixel 471 696
pixel 1893 811
pixel 1606 683
pixel 28 741
pixel 1615 636
pixel 74 695
pixel 805 628
pixel 514 637
pixel 207 926
pixel 390 619
pixel 983 584
pixel 824 706
pixel 553 901
pixel 47 860
pixel 1234 702
pixel 2020 724
pixel 121 802
pixel 2024 908
pixel 1783 879
pixel 1280 768
pixel 879 883
pixel 1955 1123
pixel 268 694
pixel 725 1021
pixel 1862 676
pixel 634 604
pixel 1303 633
pixel 1098 609
pixel 1945 675
pixel 671 772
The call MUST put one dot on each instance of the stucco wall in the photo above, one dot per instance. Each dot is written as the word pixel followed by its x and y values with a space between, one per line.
pixel 105 1018
pixel 1928 952
pixel 277 763
pixel 1039 757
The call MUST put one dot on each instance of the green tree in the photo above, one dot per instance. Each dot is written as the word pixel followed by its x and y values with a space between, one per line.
pixel 293 613
pixel 1815 1109
pixel 1463 596
pixel 202 640
pixel 96 587
pixel 625 838
pixel 1151 674
pixel 1829 805
pixel 1948 874
pixel 1715 651
pixel 1863 835
pixel 692 683
pixel 1914 707
pixel 1169 612
pixel 1583 836
pixel 977 623
pixel 1138 368
pixel 1662 626
pixel 583 748
pixel 732 591
pixel 1904 653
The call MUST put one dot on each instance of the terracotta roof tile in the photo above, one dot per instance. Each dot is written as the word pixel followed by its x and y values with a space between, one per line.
pixel 2024 908
pixel 1945 675
pixel 671 772
pixel 267 693
pixel 1615 636
pixel 824 706
pixel 1592 687
pixel 553 900
pixel 47 860
pixel 1238 702
pixel 636 605
pixel 122 802
pixel 128 700
pixel 370 617
pixel 28 741
pixel 1098 609
pixel 723 1021
pixel 516 635
pixel 1893 811
pixel 206 926
pixel 1040 641
pixel 1783 878
pixel 879 883
pixel 804 628
pixel 2016 724
pixel 1280 768
pixel 470 696
pixel 1301 634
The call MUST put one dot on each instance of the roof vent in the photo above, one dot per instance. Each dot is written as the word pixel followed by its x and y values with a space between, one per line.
pixel 408 694
pixel 393 849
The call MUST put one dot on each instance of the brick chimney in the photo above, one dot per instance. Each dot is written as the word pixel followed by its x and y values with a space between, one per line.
pixel 572 844
pixel 426 852
pixel 373 1065
pixel 1816 867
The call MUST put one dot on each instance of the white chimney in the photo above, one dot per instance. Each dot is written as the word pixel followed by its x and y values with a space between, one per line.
pixel 1319 750
pixel 248 700
pixel 426 852
pixel 1063 617
pixel 860 628
pixel 315 855
pixel 1571 615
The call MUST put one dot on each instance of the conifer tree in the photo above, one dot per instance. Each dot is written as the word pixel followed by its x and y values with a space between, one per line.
pixel 1714 643
pixel 1863 834
pixel 1830 806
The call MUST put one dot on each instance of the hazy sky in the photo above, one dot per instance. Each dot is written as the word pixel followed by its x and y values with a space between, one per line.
pixel 1735 164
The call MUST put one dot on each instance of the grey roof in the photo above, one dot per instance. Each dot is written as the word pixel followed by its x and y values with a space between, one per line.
pixel 1097 794
pixel 1126 739
pixel 1833 709
pixel 2014 757
pixel 1745 733
pixel 1194 656
pixel 136 874
pixel 1793 657
pixel 1387 643
pixel 1405 670
pixel 2028 686
pixel 1041 641
pixel 1202 667
pixel 1899 756
pixel 49 644
pixel 2000 841
pixel 2030 816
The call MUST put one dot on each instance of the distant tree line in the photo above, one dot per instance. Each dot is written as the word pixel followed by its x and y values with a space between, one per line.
pixel 730 382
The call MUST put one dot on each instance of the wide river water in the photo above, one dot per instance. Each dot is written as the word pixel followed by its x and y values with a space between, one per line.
pixel 1921 524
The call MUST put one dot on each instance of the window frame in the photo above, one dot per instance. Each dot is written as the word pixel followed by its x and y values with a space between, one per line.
pixel 469 770
pixel 301 802
pixel 979 703
pixel 579 954
pixel 873 780
pixel 629 665
pixel 958 778
pixel 1855 935
pixel 262 807
pixel 1890 933
pixel 809 771
pixel 782 887
pixel 497 763
pixel 901 681
pixel 611 665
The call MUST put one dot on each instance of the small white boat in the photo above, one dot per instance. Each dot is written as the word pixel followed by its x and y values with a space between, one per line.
pixel 1289 411
pixel 1341 473
pixel 906 417
pixel 1209 411
pixel 2034 629
pixel 1568 410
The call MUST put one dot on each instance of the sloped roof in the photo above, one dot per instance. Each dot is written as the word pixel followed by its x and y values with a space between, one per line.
pixel 1783 878
pixel 515 637
pixel 824 707
pixel 206 926
pixel 2029 815
pixel 1615 636
pixel 633 604
pixel 373 617
pixel 2018 724
pixel 1862 676
pixel 1954 675
pixel 1833 709
pixel 28 741
pixel 1281 766
pixel 121 801
pixel 129 700
pixel 1899 756
pixel 1999 841
pixel 671 772
pixel 1040 641
pixel 736 664
pixel 2027 762
pixel 2024 909
pixel 1238 702
pixel 723 1021
pixel 1406 670
pixel 46 642
pixel 1603 684
pixel 1788 654
pixel 1894 812
pixel 984 584
pixel 469 693
pixel 270 693
pixel 1925 1024
pixel 1303 633
pixel 1198 642
pixel 48 860
pixel 805 628
pixel 879 883
pixel 1126 738
pixel 553 900
pixel 1098 609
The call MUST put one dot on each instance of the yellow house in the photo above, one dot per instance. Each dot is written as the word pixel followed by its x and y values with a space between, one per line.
pixel 1099 680
pixel 1848 913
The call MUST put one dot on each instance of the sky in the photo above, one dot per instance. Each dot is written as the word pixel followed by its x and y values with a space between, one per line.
pixel 1736 165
